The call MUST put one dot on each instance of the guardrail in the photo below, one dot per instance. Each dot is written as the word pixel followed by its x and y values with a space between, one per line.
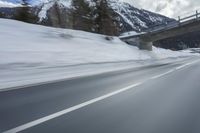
pixel 194 16
pixel 173 23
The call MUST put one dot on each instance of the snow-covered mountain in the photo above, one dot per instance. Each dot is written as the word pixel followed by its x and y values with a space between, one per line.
pixel 136 19
pixel 131 18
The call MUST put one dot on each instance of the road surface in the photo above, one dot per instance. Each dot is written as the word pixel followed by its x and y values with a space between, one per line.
pixel 156 99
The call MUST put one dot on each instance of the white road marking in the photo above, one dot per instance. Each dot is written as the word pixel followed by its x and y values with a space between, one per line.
pixel 170 71
pixel 71 109
pixel 161 75
pixel 68 110
pixel 180 67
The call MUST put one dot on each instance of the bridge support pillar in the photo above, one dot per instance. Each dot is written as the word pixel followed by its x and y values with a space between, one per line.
pixel 143 45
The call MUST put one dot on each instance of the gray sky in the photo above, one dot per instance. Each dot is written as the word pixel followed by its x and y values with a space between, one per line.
pixel 170 8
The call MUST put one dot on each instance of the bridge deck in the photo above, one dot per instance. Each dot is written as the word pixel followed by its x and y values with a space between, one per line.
pixel 192 21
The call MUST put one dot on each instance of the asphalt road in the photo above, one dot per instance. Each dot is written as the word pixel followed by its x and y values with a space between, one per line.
pixel 163 98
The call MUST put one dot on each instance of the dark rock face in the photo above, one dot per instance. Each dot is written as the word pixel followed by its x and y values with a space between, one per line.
pixel 190 40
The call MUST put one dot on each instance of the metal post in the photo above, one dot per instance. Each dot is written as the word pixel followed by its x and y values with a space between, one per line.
pixel 196 13
pixel 179 19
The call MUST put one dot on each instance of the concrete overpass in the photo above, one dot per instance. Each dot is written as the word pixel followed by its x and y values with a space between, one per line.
pixel 145 39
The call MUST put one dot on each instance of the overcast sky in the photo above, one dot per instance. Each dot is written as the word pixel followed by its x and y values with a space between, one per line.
pixel 170 8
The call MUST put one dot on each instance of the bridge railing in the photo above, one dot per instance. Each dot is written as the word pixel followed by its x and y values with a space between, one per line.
pixel 194 16
pixel 173 23
pixel 161 26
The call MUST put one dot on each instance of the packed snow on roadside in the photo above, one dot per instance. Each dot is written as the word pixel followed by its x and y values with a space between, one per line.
pixel 32 53
pixel 191 50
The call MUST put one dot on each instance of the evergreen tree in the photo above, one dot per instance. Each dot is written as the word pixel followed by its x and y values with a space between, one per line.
pixel 56 16
pixel 106 20
pixel 1 15
pixel 24 14
pixel 82 14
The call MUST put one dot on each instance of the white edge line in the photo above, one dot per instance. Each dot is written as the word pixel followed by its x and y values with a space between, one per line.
pixel 180 67
pixel 163 74
pixel 177 68
pixel 68 110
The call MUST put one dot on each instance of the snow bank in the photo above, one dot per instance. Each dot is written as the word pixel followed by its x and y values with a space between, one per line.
pixel 27 43
pixel 28 51
pixel 191 50
pixel 23 43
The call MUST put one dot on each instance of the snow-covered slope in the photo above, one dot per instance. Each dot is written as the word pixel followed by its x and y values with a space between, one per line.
pixel 32 53
pixel 38 44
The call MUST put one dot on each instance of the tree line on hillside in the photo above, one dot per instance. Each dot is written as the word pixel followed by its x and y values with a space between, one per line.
pixel 95 16
pixel 24 13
